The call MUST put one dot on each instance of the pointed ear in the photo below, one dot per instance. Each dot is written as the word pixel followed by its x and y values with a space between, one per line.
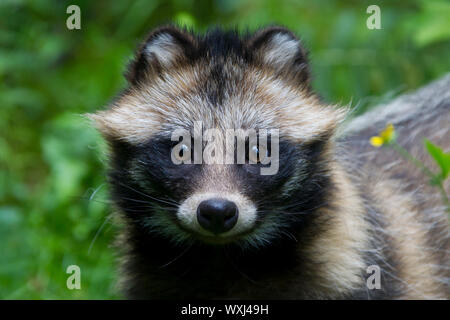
pixel 164 48
pixel 279 49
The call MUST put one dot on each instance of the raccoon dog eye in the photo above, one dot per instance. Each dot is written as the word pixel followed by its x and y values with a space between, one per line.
pixel 254 154
pixel 180 155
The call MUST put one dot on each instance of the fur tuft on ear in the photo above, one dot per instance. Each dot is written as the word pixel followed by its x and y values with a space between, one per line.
pixel 280 49
pixel 165 48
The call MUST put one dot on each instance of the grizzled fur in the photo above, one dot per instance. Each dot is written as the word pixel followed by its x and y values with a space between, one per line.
pixel 335 207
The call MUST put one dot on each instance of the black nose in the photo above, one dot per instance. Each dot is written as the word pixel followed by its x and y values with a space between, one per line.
pixel 217 215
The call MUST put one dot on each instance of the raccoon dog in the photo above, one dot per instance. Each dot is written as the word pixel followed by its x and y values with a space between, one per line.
pixel 332 213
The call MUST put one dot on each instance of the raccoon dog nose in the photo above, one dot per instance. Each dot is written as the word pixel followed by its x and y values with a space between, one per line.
pixel 217 215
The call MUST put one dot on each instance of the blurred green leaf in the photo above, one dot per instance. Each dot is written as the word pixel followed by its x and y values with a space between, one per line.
pixel 433 24
pixel 185 19
pixel 441 158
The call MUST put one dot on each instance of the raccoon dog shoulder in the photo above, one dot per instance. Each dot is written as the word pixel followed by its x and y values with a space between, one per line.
pixel 294 212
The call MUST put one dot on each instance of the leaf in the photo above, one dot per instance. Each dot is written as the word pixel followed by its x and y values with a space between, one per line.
pixel 441 158
pixel 433 24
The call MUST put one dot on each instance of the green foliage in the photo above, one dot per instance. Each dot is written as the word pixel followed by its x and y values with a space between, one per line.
pixel 53 198
pixel 442 159
pixel 433 25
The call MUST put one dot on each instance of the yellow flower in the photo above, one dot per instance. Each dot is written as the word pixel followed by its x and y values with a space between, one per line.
pixel 384 137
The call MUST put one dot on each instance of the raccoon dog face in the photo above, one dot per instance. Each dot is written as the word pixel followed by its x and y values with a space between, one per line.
pixel 171 171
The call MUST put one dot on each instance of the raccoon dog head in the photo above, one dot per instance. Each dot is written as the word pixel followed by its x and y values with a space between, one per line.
pixel 218 138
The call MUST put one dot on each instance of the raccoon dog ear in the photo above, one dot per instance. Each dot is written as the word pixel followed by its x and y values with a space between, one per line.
pixel 279 49
pixel 165 48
